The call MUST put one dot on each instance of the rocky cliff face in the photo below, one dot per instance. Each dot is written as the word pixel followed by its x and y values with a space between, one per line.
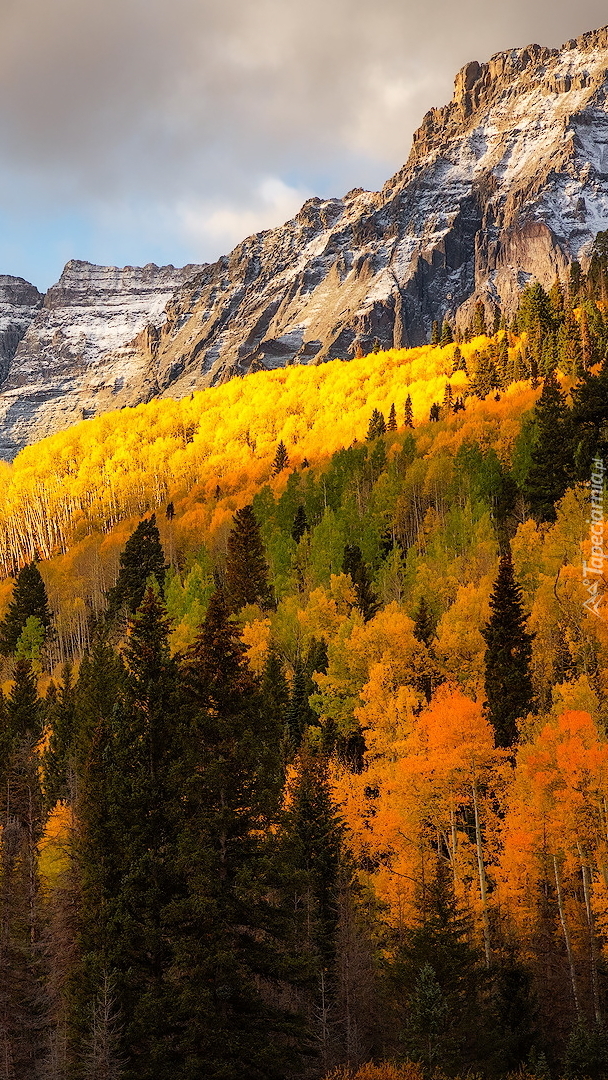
pixel 507 182
pixel 51 378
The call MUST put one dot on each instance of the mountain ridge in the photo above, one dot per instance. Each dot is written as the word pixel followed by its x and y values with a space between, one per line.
pixel 507 182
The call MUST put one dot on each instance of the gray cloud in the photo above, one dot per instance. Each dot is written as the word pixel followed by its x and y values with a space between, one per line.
pixel 200 120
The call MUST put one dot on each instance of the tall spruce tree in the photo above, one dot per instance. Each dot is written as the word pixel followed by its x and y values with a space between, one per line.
pixel 29 599
pixel 551 461
pixel 353 564
pixel 143 558
pixel 439 983
pixel 126 851
pixel 508 682
pixel 226 947
pixel 425 624
pixel 246 568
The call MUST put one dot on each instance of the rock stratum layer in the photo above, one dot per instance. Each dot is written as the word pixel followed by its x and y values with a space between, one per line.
pixel 507 182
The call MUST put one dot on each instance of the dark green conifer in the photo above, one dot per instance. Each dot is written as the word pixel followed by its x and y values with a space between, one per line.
pixel 143 558
pixel 225 922
pixel 458 361
pixel 58 760
pixel 300 524
pixel 29 599
pixel 508 656
pixel 281 459
pixel 353 564
pixel 435 333
pixel 425 624
pixel 246 567
pixel 435 412
pixel 408 418
pixel 438 977
pixel 377 426
pixel 551 463
pixel 392 419
pixel 447 336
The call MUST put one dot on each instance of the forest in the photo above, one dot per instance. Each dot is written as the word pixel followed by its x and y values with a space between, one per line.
pixel 304 720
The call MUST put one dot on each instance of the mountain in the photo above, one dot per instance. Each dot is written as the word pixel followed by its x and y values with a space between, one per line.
pixel 507 182
pixel 52 347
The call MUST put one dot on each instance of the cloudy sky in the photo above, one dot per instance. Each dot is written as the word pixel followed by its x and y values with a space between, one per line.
pixel 136 131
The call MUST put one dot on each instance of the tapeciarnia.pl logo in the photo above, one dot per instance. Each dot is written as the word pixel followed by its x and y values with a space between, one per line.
pixel 593 571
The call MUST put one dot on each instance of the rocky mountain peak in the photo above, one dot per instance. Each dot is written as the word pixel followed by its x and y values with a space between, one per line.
pixel 505 183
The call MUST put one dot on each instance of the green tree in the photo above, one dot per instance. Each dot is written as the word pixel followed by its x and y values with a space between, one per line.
pixel 225 921
pixel 508 682
pixel 246 567
pixel 281 459
pixel 126 848
pixel 31 643
pixel 29 600
pixel 377 426
pixel 551 460
pixel 300 524
pixel 438 976
pixel 408 418
pixel 353 564
pixel 425 624
pixel 142 559
pixel 391 424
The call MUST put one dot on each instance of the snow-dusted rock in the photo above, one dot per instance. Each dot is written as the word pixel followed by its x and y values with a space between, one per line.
pixel 91 311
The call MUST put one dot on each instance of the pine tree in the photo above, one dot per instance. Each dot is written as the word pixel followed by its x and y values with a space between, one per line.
pixel 377 426
pixel 22 962
pixel 316 873
pixel 435 412
pixel 29 600
pixel 126 850
pixel 479 320
pixel 508 682
pixel 281 459
pixel 438 975
pixel 300 524
pixel 142 559
pixel 409 413
pixel 353 564
pixel 551 464
pixel 392 419
pixel 425 624
pixel 448 400
pixel 246 568
pixel 447 336
pixel 58 760
pixel 225 922
pixel 435 333
pixel 458 361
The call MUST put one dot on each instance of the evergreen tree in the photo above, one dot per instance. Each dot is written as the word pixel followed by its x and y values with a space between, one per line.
pixel 23 706
pixel 225 922
pixel 448 399
pixel 300 714
pixel 435 333
pixel 392 419
pixel 479 320
pixel 551 462
pixel 58 760
pixel 24 976
pixel 458 361
pixel 425 624
pixel 508 682
pixel 281 459
pixel 142 559
pixel 377 426
pixel 315 876
pixel 300 524
pixel 589 420
pixel 353 564
pixel 435 412
pixel 409 413
pixel 246 568
pixel 438 976
pixel 446 334
pixel 29 600
pixel 126 849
